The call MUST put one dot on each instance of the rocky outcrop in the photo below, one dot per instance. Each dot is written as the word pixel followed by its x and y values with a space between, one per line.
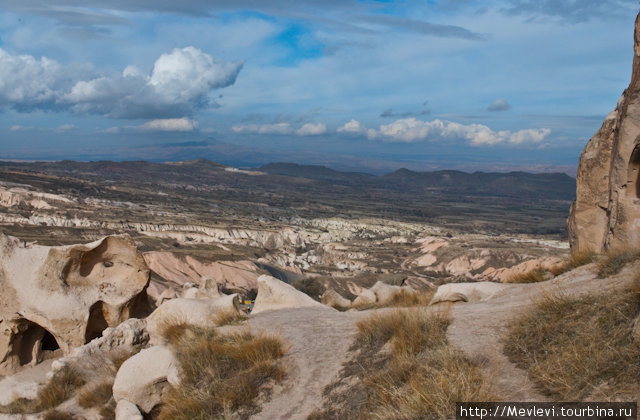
pixel 143 378
pixel 276 294
pixel 197 312
pixel 238 276
pixel 63 297
pixel 332 298
pixel 606 213
pixel 466 292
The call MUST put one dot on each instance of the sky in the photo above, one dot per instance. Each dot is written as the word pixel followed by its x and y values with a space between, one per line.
pixel 491 85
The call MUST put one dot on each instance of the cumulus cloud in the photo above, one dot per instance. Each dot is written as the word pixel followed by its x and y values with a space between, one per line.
pixel 170 124
pixel 353 126
pixel 499 104
pixel 390 113
pixel 411 129
pixel 312 129
pixel 178 85
pixel 277 128
pixel 308 129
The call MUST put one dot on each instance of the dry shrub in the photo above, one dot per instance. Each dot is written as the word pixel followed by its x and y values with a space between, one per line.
pixel 95 395
pixel 230 317
pixel 221 374
pixel 409 298
pixel 57 415
pixel 615 260
pixel 575 260
pixel 532 276
pixel 406 298
pixel 571 347
pixel 59 389
pixel 405 369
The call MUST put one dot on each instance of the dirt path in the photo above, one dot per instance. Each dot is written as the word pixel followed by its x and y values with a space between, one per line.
pixel 320 339
pixel 477 328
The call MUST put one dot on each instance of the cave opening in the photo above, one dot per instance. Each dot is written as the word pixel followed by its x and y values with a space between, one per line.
pixel 633 173
pixel 32 342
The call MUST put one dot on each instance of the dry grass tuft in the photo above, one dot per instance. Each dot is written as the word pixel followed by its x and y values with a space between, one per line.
pixel 572 347
pixel 59 389
pixel 230 317
pixel 57 415
pixel 403 299
pixel 221 374
pixel 615 260
pixel 533 276
pixel 409 298
pixel 405 369
pixel 95 395
pixel 575 260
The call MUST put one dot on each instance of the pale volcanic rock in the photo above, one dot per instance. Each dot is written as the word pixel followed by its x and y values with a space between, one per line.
pixel 197 312
pixel 65 296
pixel 276 294
pixel 332 298
pixel 466 292
pixel 504 274
pixel 235 275
pixel 142 379
pixel 386 292
pixel 126 410
pixel 365 298
pixel 606 213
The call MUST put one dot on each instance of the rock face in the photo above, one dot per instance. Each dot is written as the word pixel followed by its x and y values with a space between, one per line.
pixel 332 298
pixel 198 312
pixel 606 213
pixel 63 297
pixel 466 292
pixel 142 379
pixel 276 294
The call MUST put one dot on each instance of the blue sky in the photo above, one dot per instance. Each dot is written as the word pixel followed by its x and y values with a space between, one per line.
pixel 368 85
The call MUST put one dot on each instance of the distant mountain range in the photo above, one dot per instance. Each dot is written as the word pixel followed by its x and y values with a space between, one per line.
pixel 558 186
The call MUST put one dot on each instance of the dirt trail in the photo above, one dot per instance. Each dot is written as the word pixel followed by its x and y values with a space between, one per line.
pixel 320 339
pixel 477 328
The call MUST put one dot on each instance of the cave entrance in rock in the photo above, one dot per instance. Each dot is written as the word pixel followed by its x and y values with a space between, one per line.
pixel 32 342
pixel 633 173
pixel 96 323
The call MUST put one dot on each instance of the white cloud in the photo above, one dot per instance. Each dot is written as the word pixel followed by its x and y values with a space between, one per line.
pixel 499 104
pixel 170 124
pixel 411 129
pixel 19 128
pixel 179 84
pixel 353 126
pixel 66 127
pixel 277 128
pixel 312 129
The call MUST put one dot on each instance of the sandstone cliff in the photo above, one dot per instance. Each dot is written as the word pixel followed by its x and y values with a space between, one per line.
pixel 606 213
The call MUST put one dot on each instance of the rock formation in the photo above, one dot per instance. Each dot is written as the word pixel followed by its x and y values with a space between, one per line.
pixel 276 294
pixel 198 312
pixel 144 378
pixel 332 298
pixel 63 297
pixel 606 213
pixel 466 292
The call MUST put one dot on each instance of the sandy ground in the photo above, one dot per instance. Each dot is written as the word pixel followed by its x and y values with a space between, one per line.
pixel 320 339
pixel 478 328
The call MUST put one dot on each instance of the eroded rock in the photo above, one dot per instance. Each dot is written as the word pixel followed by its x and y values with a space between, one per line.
pixel 606 213
pixel 331 298
pixel 142 379
pixel 197 312
pixel 276 294
pixel 63 297
pixel 466 292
